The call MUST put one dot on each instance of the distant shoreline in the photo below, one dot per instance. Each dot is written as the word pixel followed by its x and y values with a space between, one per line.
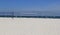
pixel 32 16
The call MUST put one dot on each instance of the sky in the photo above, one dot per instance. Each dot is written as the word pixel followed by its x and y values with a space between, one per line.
pixel 29 5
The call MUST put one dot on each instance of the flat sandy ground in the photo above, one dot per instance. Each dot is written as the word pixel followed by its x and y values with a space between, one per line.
pixel 29 26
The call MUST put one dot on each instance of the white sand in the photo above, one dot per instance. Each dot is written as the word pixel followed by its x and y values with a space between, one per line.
pixel 29 26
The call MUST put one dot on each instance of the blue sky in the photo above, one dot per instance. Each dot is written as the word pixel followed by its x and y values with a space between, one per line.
pixel 29 5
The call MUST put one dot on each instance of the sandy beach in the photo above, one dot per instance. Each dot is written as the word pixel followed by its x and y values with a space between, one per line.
pixel 29 26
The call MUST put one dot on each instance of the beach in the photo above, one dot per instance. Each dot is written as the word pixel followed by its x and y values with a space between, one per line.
pixel 29 26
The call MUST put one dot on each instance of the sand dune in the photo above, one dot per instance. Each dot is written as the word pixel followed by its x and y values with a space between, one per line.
pixel 29 26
